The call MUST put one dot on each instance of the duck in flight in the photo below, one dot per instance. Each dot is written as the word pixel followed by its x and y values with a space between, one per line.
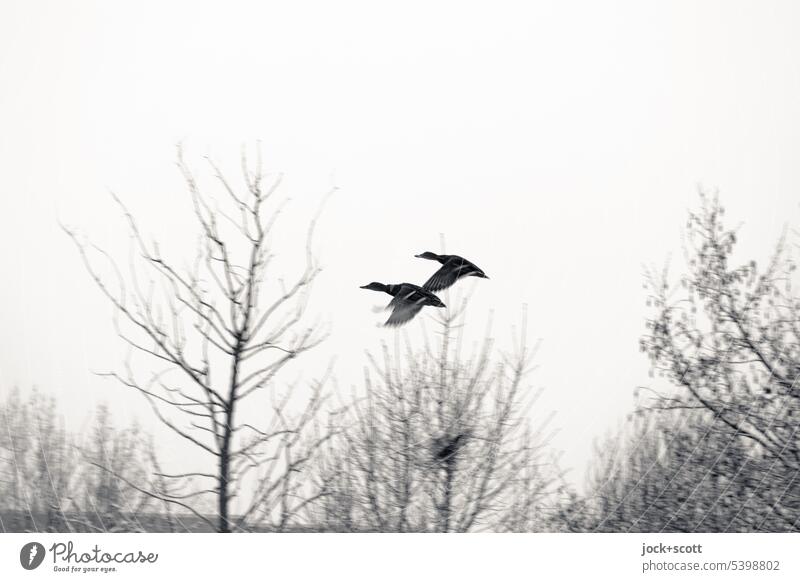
pixel 453 268
pixel 408 300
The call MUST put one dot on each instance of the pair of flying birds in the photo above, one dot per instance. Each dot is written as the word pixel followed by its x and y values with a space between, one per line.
pixel 409 299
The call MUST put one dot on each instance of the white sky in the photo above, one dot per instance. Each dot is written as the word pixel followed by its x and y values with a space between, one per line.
pixel 557 144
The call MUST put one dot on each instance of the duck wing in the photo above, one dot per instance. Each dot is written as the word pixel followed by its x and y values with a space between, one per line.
pixel 403 312
pixel 449 273
pixel 408 301
pixel 441 279
pixel 406 294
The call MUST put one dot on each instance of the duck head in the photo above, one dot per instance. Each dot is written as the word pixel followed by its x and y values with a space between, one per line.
pixel 375 286
pixel 428 255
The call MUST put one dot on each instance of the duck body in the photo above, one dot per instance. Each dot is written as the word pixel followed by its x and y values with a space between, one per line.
pixel 408 300
pixel 453 268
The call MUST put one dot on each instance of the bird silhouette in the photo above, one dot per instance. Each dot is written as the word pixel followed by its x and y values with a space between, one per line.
pixel 408 300
pixel 453 268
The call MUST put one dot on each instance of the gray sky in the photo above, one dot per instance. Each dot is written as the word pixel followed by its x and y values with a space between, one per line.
pixel 556 144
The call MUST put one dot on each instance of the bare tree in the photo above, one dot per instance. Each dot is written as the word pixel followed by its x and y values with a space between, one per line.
pixel 440 442
pixel 675 471
pixel 110 458
pixel 48 476
pixel 728 340
pixel 220 332
pixel 36 463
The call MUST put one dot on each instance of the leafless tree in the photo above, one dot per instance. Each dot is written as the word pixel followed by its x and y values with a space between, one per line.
pixel 440 441
pixel 676 471
pixel 110 458
pixel 728 340
pixel 48 477
pixel 36 461
pixel 218 333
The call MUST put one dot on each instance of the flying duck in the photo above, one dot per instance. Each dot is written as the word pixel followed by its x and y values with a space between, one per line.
pixel 408 300
pixel 453 268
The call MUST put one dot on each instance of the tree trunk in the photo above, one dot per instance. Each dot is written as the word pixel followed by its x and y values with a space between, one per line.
pixel 225 451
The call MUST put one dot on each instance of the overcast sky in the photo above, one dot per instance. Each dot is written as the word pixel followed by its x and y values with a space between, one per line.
pixel 556 144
